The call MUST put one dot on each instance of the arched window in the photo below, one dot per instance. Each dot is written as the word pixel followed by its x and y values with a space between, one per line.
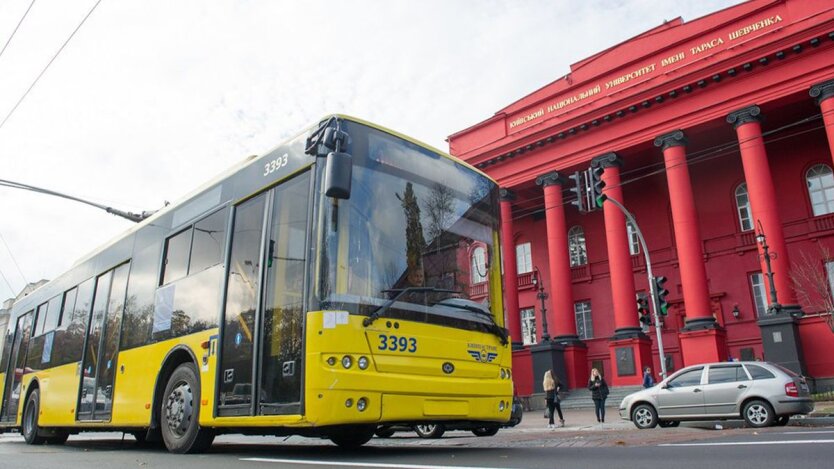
pixel 820 181
pixel 478 265
pixel 576 246
pixel 745 216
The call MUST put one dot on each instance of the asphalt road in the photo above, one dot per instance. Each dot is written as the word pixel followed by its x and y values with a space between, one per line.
pixel 808 447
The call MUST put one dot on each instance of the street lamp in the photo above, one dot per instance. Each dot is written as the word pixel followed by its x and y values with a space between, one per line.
pixel 541 295
pixel 774 306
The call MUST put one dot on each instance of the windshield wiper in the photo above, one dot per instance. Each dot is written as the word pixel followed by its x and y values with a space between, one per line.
pixel 480 310
pixel 399 294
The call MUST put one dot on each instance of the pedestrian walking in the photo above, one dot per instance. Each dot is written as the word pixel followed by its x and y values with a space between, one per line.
pixel 648 379
pixel 552 386
pixel 599 392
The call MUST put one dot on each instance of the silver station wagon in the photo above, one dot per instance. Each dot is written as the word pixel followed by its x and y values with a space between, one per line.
pixel 763 394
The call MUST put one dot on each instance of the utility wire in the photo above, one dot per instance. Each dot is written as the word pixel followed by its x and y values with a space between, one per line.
pixel 8 285
pixel 13 259
pixel 9 41
pixel 48 64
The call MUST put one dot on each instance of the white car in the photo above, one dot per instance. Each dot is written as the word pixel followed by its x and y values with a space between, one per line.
pixel 763 394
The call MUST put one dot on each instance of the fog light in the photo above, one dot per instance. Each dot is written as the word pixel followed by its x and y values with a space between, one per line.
pixel 361 404
pixel 349 402
pixel 362 362
pixel 501 406
pixel 331 361
pixel 503 374
pixel 347 361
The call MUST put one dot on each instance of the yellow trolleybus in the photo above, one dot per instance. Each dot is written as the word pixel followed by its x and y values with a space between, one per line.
pixel 322 289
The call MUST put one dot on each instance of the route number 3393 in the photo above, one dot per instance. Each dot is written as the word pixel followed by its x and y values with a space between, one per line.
pixel 395 343
pixel 276 164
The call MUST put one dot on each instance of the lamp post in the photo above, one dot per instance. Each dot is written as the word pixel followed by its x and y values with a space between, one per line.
pixel 541 295
pixel 774 306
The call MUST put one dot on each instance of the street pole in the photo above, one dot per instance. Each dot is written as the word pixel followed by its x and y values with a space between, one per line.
pixel 541 295
pixel 652 291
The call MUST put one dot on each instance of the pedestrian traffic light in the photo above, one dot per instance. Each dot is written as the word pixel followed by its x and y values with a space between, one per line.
pixel 643 311
pixel 597 184
pixel 661 292
pixel 579 182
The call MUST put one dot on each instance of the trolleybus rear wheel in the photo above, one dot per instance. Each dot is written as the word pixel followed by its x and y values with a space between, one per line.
pixel 352 436
pixel 31 431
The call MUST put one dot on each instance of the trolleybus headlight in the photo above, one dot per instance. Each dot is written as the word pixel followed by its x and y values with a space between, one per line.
pixel 501 406
pixel 363 364
pixel 347 361
pixel 361 404
pixel 331 361
pixel 509 374
pixel 503 374
pixel 349 402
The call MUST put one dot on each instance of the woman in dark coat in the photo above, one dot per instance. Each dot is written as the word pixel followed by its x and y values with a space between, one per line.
pixel 599 392
pixel 552 386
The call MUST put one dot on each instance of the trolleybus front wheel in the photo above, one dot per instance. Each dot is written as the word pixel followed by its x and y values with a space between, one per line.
pixel 179 414
pixel 32 433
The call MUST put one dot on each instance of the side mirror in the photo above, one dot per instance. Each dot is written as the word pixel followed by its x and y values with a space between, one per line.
pixel 338 172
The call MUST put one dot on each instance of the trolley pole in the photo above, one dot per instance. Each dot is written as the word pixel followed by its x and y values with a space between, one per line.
pixel 652 291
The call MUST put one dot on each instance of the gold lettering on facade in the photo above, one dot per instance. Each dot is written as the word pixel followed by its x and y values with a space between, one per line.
pixel 672 59
pixel 573 99
pixel 527 118
pixel 630 76
pixel 705 46
pixel 761 24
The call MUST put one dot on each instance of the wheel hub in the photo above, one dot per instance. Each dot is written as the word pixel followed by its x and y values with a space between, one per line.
pixel 179 408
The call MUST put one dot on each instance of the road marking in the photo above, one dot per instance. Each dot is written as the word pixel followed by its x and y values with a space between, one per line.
pixel 362 464
pixel 803 433
pixel 741 443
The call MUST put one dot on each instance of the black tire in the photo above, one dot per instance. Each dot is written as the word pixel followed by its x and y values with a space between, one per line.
pixel 32 433
pixel 430 430
pixel 669 423
pixel 644 416
pixel 758 414
pixel 486 431
pixel 179 413
pixel 385 432
pixel 352 437
pixel 782 421
pixel 59 438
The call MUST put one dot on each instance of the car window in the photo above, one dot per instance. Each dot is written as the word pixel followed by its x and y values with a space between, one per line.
pixel 726 374
pixel 758 372
pixel 788 372
pixel 687 378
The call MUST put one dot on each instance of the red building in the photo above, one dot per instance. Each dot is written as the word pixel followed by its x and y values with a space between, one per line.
pixel 710 132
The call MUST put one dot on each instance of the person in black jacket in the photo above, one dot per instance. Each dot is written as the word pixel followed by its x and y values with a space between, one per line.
pixel 599 392
pixel 552 386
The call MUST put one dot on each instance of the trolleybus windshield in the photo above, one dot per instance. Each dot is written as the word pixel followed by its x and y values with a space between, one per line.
pixel 413 220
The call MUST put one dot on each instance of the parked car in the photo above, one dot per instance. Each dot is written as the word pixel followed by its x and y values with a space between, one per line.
pixel 436 430
pixel 762 394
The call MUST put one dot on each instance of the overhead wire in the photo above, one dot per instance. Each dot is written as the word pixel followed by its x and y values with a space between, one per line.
pixel 3 238
pixel 26 93
pixel 8 285
pixel 700 156
pixel 9 41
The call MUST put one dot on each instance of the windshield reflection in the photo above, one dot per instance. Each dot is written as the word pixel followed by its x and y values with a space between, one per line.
pixel 413 219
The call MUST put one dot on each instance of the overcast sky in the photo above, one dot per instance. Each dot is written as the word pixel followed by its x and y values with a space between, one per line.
pixel 151 98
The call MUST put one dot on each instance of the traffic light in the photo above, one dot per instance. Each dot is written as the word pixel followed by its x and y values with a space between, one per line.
pixel 643 311
pixel 597 184
pixel 661 292
pixel 576 191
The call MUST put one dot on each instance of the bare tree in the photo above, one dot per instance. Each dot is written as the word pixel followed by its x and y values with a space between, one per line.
pixel 811 284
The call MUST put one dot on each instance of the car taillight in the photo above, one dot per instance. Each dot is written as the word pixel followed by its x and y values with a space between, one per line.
pixel 791 390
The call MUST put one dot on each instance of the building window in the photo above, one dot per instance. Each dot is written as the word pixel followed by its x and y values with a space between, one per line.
pixel 745 219
pixel 523 258
pixel 633 239
pixel 528 326
pixel 576 246
pixel 478 265
pixel 820 181
pixel 759 293
pixel 584 326
pixel 829 269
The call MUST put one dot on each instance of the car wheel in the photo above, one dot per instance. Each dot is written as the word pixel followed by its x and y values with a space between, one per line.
pixel 485 431
pixel 30 429
pixel 384 432
pixel 179 414
pixel 352 437
pixel 782 420
pixel 668 423
pixel 430 430
pixel 758 414
pixel 644 416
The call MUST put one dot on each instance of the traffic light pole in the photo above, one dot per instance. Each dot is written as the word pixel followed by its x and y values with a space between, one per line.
pixel 652 292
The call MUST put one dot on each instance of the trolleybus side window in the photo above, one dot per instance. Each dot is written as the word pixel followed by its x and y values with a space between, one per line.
pixel 40 320
pixel 209 242
pixel 177 249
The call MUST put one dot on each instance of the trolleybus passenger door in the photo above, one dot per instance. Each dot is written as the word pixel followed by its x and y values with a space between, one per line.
pixel 242 303
pixel 98 371
pixel 17 367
